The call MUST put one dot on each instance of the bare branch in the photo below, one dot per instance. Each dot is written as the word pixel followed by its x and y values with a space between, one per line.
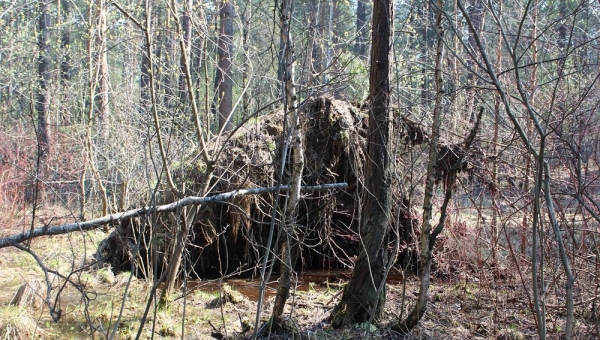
pixel 114 218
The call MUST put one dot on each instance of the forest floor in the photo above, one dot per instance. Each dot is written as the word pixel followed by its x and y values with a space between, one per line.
pixel 475 305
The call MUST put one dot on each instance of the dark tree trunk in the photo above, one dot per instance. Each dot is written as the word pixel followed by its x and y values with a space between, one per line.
pixel 364 296
pixel 225 80
pixel 145 68
pixel 246 98
pixel 65 44
pixel 584 37
pixel 63 7
pixel 562 28
pixel 316 51
pixel 425 44
pixel 144 80
pixel 168 78
pixel 317 43
pixel 362 29
pixel 186 27
pixel 42 104
pixel 476 13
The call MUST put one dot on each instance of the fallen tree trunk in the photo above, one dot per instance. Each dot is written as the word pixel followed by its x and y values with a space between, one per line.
pixel 190 200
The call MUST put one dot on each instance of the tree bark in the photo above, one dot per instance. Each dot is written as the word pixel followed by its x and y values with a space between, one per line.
pixel 185 218
pixel 145 66
pixel 102 60
pixel 65 44
pixel 476 13
pixel 364 296
pixel 64 28
pixel 362 29
pixel 426 242
pixel 42 103
pixel 246 97
pixel 289 243
pixel 494 180
pixel 315 27
pixel 186 31
pixel 225 80
pixel 93 74
pixel 168 79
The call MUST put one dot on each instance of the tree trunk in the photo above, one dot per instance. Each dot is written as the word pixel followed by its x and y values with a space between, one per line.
pixel 147 210
pixel 93 80
pixel 562 29
pixel 225 95
pixel 246 97
pixel 102 60
pixel 145 68
pixel 494 185
pixel 42 104
pixel 289 243
pixel 362 29
pixel 168 78
pixel 537 276
pixel 329 40
pixel 185 218
pixel 426 242
pixel 316 59
pixel 63 16
pixel 476 13
pixel 423 11
pixel 65 44
pixel 364 296
pixel 186 28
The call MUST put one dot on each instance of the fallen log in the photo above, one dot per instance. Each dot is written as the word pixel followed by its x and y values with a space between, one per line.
pixel 114 218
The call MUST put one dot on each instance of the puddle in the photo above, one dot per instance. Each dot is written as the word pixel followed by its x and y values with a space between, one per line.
pixel 317 280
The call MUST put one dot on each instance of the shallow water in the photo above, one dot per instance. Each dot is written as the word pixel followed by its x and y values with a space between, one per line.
pixel 316 280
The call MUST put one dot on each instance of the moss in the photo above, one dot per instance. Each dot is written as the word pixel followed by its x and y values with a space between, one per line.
pixel 343 136
pixel 105 275
pixel 510 333
pixel 253 121
pixel 228 295
pixel 167 331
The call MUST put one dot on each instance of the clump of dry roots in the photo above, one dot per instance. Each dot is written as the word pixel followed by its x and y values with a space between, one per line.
pixel 231 236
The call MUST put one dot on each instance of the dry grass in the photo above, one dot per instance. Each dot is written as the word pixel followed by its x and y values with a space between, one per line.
pixel 468 298
pixel 16 323
pixel 476 305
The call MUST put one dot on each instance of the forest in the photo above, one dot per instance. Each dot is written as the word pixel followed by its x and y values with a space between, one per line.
pixel 300 169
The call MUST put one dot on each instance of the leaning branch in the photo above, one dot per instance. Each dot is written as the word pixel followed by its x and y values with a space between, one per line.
pixel 114 218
